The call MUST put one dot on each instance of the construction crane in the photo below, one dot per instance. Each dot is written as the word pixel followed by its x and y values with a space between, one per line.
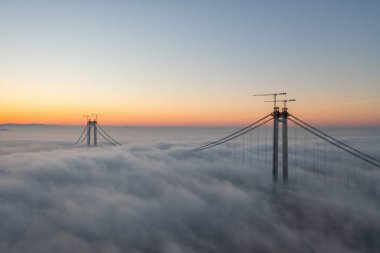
pixel 87 117
pixel 274 97
pixel 96 115
pixel 283 100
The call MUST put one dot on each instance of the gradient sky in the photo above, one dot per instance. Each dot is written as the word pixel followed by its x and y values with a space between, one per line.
pixel 188 62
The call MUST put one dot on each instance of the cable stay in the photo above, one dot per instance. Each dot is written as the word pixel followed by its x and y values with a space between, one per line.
pixel 108 135
pixel 340 142
pixel 234 135
pixel 338 145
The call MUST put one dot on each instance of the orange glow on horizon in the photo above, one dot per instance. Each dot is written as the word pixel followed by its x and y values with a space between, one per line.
pixel 186 117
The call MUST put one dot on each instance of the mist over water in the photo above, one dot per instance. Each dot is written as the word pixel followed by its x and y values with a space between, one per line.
pixel 149 195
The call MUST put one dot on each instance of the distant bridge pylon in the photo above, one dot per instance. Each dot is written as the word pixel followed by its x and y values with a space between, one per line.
pixel 92 124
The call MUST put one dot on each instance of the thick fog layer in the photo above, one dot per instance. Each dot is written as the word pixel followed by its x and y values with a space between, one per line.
pixel 152 196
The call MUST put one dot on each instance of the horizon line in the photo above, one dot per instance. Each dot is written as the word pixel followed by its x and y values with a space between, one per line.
pixel 374 125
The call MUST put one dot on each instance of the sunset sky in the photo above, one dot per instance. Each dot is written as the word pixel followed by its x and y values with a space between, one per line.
pixel 188 62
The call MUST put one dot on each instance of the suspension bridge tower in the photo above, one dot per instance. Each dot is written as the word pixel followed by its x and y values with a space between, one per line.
pixel 284 119
pixel 279 117
pixel 92 125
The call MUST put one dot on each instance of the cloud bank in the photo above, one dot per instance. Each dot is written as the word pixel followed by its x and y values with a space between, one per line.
pixel 158 198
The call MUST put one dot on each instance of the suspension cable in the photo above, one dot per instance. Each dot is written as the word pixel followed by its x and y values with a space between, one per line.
pixel 341 143
pixel 80 137
pixel 233 137
pixel 106 138
pixel 220 141
pixel 84 138
pixel 337 145
pixel 108 135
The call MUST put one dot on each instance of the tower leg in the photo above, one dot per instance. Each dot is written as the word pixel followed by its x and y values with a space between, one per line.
pixel 275 145
pixel 285 146
pixel 95 133
pixel 89 133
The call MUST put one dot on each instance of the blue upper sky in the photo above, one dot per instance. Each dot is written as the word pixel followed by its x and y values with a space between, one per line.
pixel 214 53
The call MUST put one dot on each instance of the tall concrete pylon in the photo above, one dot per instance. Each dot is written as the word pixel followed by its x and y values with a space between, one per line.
pixel 284 116
pixel 92 124
pixel 276 115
